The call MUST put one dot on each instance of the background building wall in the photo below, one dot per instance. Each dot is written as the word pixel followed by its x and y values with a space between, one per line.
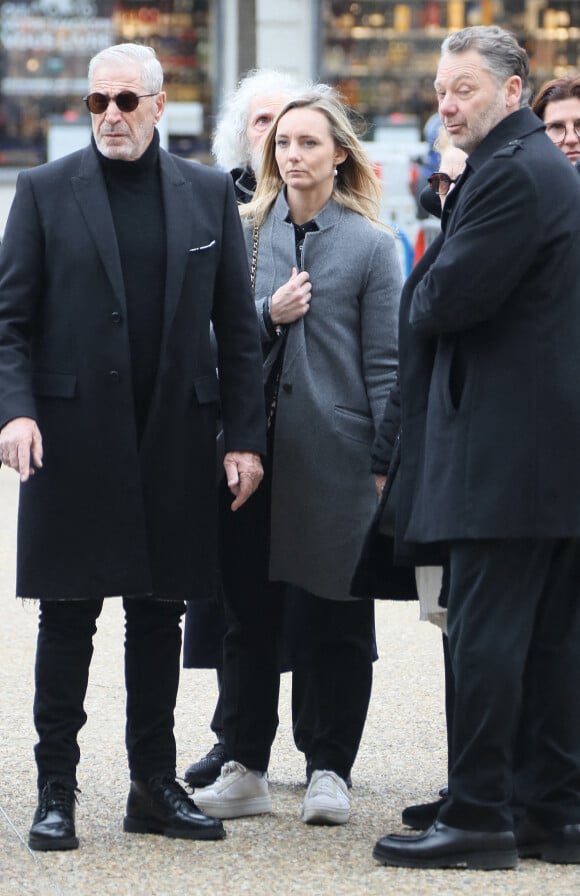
pixel 285 38
pixel 284 35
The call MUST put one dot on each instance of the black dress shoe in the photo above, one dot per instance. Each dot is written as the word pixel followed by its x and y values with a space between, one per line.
pixel 445 847
pixel 161 806
pixel 422 816
pixel 53 826
pixel 559 845
pixel 207 770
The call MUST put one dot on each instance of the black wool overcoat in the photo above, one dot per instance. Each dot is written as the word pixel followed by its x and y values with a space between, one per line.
pixel 106 516
pixel 385 566
pixel 496 437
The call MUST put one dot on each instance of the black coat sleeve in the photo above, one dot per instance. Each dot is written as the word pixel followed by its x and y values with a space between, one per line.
pixel 388 428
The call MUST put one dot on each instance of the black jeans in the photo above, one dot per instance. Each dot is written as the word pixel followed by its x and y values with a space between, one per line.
pixel 514 641
pixel 63 656
pixel 338 665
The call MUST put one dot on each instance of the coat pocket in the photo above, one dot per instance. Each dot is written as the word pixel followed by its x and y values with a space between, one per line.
pixel 452 374
pixel 354 425
pixel 206 389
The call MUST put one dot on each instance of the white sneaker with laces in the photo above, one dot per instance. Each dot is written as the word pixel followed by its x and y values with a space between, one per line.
pixel 327 799
pixel 238 791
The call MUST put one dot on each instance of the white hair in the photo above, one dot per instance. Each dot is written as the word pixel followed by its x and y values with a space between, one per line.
pixel 123 54
pixel 230 146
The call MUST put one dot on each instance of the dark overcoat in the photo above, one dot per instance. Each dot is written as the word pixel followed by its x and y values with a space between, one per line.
pixel 385 568
pixel 499 433
pixel 106 516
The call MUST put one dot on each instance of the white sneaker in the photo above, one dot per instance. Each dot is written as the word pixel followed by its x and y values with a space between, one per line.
pixel 327 799
pixel 238 791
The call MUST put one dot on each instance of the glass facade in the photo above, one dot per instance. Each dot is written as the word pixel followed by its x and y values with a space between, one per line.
pixel 383 55
pixel 45 47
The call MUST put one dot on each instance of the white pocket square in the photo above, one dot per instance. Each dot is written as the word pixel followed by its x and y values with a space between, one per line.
pixel 201 248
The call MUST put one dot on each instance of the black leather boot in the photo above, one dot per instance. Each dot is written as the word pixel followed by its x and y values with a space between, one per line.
pixel 560 845
pixel 422 816
pixel 161 806
pixel 207 770
pixel 53 826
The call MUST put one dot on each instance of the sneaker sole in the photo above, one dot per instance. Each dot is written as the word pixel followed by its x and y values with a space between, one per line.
pixel 235 808
pixel 152 826
pixel 476 861
pixel 321 815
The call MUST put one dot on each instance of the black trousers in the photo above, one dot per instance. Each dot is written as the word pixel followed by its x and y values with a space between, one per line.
pixel 203 634
pixel 514 642
pixel 303 712
pixel 338 664
pixel 152 660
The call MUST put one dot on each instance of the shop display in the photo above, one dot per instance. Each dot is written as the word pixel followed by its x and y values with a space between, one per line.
pixel 45 48
pixel 383 55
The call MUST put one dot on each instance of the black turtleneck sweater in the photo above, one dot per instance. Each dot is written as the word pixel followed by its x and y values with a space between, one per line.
pixel 134 190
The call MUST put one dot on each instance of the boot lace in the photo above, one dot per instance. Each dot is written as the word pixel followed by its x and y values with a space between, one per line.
pixel 57 797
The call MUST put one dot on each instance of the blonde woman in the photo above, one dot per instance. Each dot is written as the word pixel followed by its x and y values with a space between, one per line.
pixel 327 285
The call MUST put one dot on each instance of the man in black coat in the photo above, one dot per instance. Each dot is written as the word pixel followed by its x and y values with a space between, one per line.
pixel 490 449
pixel 114 262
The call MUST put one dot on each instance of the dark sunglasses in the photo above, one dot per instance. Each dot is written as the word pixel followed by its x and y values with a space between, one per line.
pixel 440 182
pixel 126 101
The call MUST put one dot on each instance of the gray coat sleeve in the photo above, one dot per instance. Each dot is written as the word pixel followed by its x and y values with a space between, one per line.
pixel 379 322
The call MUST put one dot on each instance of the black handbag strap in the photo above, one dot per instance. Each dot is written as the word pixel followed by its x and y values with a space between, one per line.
pixel 254 267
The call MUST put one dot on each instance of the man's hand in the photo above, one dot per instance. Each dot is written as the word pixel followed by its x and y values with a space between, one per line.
pixel 21 446
pixel 244 473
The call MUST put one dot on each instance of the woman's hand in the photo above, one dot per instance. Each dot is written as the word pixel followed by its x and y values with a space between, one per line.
pixel 380 482
pixel 292 300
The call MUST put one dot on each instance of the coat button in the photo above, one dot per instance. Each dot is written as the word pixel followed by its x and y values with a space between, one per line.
pixel 287 387
pixel 116 317
pixel 114 376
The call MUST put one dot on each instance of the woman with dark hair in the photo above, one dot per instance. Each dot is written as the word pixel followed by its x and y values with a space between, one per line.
pixel 557 103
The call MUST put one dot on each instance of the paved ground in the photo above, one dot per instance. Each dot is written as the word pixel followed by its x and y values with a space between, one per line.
pixel 402 760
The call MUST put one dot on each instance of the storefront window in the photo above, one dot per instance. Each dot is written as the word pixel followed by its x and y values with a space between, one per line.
pixel 45 47
pixel 383 55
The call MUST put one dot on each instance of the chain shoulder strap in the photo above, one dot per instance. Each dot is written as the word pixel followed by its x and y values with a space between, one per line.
pixel 255 241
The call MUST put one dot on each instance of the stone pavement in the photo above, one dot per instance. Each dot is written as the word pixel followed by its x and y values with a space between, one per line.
pixel 401 761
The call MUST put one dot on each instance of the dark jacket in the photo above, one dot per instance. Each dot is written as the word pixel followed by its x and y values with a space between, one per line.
pixel 106 516
pixel 384 568
pixel 244 184
pixel 495 440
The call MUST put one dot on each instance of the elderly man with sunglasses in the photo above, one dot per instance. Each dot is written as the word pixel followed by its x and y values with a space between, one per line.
pixel 115 259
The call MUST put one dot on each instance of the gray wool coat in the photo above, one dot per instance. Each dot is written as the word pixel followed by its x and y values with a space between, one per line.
pixel 339 364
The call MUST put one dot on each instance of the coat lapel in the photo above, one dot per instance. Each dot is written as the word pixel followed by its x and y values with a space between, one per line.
pixel 179 218
pixel 91 193
pixel 326 219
